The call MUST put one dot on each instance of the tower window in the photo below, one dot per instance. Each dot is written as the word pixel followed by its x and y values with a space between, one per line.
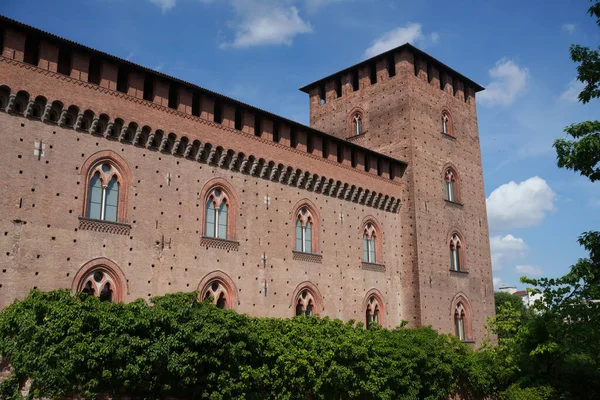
pixel 122 80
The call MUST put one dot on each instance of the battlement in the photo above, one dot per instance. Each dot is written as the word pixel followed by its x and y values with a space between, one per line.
pixel 49 52
pixel 384 66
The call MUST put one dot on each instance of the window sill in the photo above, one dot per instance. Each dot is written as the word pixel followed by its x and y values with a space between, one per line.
pixel 454 203
pixel 446 135
pixel 308 257
pixel 363 133
pixel 216 243
pixel 369 266
pixel 459 272
pixel 468 341
pixel 97 225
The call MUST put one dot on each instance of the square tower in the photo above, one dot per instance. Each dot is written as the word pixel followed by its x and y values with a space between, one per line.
pixel 408 105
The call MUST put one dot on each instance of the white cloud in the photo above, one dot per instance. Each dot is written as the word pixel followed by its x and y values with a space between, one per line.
pixel 165 5
pixel 509 81
pixel 505 249
pixel 519 205
pixel 572 91
pixel 498 282
pixel 529 270
pixel 314 5
pixel 265 23
pixel 411 33
pixel 570 28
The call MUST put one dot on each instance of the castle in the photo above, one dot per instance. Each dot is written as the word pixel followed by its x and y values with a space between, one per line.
pixel 126 183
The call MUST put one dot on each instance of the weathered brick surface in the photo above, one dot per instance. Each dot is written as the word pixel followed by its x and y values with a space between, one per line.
pixel 159 247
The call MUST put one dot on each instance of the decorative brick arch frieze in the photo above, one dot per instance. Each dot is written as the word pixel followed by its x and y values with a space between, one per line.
pixel 120 169
pixel 374 230
pixel 306 294
pixel 356 112
pixel 461 307
pixel 374 303
pixel 313 216
pixel 446 117
pixel 216 284
pixel 456 238
pixel 450 172
pixel 228 195
pixel 112 274
pixel 99 123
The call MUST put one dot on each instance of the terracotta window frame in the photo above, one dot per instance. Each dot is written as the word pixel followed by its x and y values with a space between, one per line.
pixel 229 195
pixel 310 214
pixel 461 308
pixel 218 283
pixel 370 227
pixel 374 301
pixel 446 123
pixel 307 293
pixel 450 174
pixel 119 168
pixel 456 247
pixel 113 273
pixel 357 113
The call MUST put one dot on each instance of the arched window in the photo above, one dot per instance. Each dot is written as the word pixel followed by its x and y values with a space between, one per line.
pixel 217 209
pixel 372 312
pixel 304 231
pixel 456 262
pixel 103 194
pixel 305 304
pixel 369 237
pixel 307 300
pixel 357 124
pixel 447 128
pixel 219 289
pixel 450 184
pixel 101 278
pixel 217 293
pixel 459 321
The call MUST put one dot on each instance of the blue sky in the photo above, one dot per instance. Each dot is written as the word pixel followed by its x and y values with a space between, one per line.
pixel 261 51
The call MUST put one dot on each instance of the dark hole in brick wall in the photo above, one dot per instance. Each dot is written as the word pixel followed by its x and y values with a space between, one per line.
pixel 1 40
pixel 94 71
pixel 276 132
pixel 293 138
pixel 196 104
pixel 338 86
pixel 257 126
pixel 373 73
pixel 238 119
pixel 122 80
pixel 340 153
pixel 322 98
pixel 218 112
pixel 148 88
pixel 64 61
pixel 391 65
pixel 325 148
pixel 32 50
pixel 309 143
pixel 355 80
pixel 173 95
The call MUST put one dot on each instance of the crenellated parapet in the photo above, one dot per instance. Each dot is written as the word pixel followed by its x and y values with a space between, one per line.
pixel 85 66
pixel 405 59
pixel 217 155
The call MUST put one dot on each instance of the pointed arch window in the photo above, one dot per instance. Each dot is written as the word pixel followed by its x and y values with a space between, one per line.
pixel 369 247
pixel 103 194
pixel 217 210
pixel 455 253
pixel 304 231
pixel 101 278
pixel 459 321
pixel 217 292
pixel 305 304
pixel 357 125
pixel 450 185
pixel 372 312
pixel 99 284
pixel 445 124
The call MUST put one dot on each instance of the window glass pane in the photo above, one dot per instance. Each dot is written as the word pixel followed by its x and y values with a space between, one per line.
pixel 112 200
pixel 299 310
pixel 372 249
pixel 95 197
pixel 452 265
pixel 451 191
pixel 298 235
pixel 365 248
pixel 457 259
pixel 308 238
pixel 210 218
pixel 222 234
pixel 447 186
pixel 309 309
